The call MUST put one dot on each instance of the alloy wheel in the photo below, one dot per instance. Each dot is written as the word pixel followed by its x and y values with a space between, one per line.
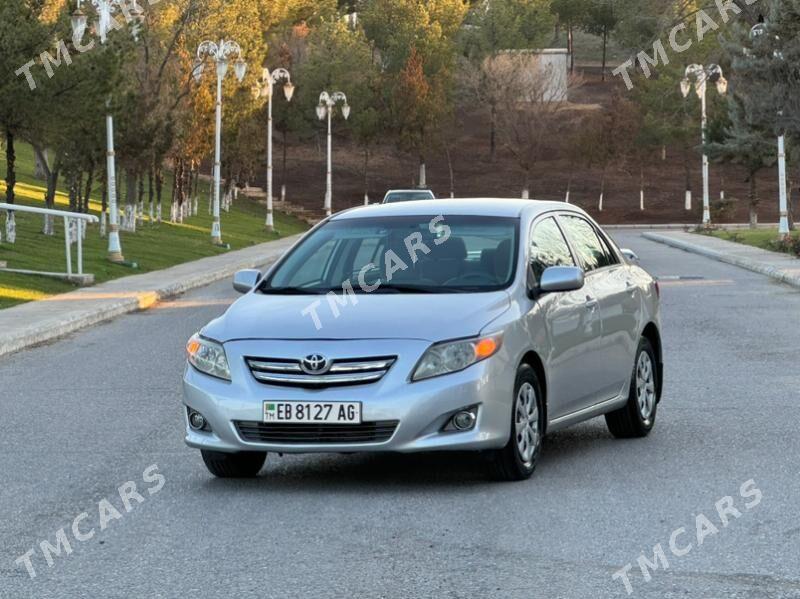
pixel 645 386
pixel 526 421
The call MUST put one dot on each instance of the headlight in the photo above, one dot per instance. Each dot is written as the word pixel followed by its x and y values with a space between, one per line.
pixel 208 357
pixel 453 356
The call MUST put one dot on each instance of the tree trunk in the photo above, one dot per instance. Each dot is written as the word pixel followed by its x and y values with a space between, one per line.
pixel 571 48
pixel 140 200
pixel 159 187
pixel 753 200
pixel 450 170
pixel 423 179
pixel 493 132
pixel 130 201
pixel 641 187
pixel 688 173
pixel 789 204
pixel 602 191
pixel 103 208
pixel 150 195
pixel 605 51
pixel 11 174
pixel 569 186
pixel 87 193
pixel 366 176
pixel 526 188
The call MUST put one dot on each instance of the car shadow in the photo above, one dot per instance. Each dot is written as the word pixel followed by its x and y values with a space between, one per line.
pixel 394 473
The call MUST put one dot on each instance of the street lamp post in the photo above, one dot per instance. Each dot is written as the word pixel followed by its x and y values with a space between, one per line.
pixel 702 76
pixel 105 8
pixel 220 53
pixel 326 108
pixel 264 88
pixel 783 203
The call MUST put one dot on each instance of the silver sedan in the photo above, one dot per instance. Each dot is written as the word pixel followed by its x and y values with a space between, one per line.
pixel 477 325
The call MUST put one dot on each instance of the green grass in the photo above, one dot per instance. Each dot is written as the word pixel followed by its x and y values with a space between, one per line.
pixel 766 239
pixel 153 246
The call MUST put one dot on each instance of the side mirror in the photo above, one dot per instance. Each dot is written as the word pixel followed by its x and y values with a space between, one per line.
pixel 630 255
pixel 245 280
pixel 561 278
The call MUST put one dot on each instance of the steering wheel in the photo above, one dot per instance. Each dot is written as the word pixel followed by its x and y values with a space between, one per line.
pixel 475 278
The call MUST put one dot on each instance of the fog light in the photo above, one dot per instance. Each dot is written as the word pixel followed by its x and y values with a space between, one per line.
pixel 197 421
pixel 464 421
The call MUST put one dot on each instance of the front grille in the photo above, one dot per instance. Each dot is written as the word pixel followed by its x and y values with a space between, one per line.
pixel 366 432
pixel 351 371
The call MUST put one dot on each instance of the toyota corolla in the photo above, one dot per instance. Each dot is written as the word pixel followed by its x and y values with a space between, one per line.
pixel 469 325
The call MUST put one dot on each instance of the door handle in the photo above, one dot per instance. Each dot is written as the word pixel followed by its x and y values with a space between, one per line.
pixel 592 304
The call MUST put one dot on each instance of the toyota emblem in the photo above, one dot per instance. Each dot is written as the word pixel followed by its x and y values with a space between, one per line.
pixel 314 364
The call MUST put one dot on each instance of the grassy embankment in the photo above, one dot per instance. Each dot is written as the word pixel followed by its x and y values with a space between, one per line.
pixel 153 246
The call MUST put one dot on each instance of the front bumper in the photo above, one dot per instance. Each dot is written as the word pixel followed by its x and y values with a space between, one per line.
pixel 422 409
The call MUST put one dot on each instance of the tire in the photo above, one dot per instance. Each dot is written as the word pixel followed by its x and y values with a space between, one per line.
pixel 517 460
pixel 245 464
pixel 638 416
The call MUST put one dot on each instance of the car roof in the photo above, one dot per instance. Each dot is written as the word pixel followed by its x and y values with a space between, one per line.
pixel 408 191
pixel 496 207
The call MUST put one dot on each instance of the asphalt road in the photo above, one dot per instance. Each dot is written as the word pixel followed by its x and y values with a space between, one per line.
pixel 82 416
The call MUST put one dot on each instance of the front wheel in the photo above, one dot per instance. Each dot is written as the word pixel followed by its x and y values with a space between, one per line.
pixel 244 464
pixel 638 416
pixel 517 460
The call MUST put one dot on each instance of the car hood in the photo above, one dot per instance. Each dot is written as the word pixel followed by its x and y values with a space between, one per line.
pixel 433 317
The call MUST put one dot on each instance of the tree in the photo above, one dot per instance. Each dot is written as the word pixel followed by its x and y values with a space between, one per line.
pixel 571 13
pixel 601 18
pixel 22 38
pixel 529 117
pixel 493 27
pixel 414 44
pixel 748 144
pixel 608 139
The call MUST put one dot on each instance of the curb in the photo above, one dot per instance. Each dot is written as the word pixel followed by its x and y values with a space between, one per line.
pixel 125 295
pixel 751 265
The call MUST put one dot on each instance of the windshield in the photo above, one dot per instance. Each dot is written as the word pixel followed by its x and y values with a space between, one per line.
pixel 407 196
pixel 407 254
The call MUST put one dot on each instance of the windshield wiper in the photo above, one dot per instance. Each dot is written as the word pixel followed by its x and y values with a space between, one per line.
pixel 293 291
pixel 392 288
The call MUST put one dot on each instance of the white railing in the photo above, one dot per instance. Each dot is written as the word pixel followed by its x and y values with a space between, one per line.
pixel 79 217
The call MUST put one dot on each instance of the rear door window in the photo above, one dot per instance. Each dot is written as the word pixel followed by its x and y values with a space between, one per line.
pixel 592 251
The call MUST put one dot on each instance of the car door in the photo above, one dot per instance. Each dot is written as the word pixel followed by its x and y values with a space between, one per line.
pixel 618 304
pixel 571 321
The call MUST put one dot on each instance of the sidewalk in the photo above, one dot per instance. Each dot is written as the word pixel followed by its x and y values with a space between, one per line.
pixel 40 321
pixel 781 267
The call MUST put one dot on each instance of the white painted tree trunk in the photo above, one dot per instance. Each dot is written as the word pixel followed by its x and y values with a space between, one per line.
pixel 688 202
pixel 11 228
pixel 566 197
pixel 48 225
pixel 283 193
pixel 158 213
pixel 641 199
pixel 103 224
pixel 423 182
pixel 600 203
pixel 194 206
pixel 150 213
pixel 526 194
pixel 366 199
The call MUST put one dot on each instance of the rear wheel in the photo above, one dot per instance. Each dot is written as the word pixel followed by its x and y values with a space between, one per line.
pixel 244 464
pixel 517 460
pixel 637 417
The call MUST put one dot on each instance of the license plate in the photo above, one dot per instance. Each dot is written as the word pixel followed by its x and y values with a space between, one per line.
pixel 312 412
